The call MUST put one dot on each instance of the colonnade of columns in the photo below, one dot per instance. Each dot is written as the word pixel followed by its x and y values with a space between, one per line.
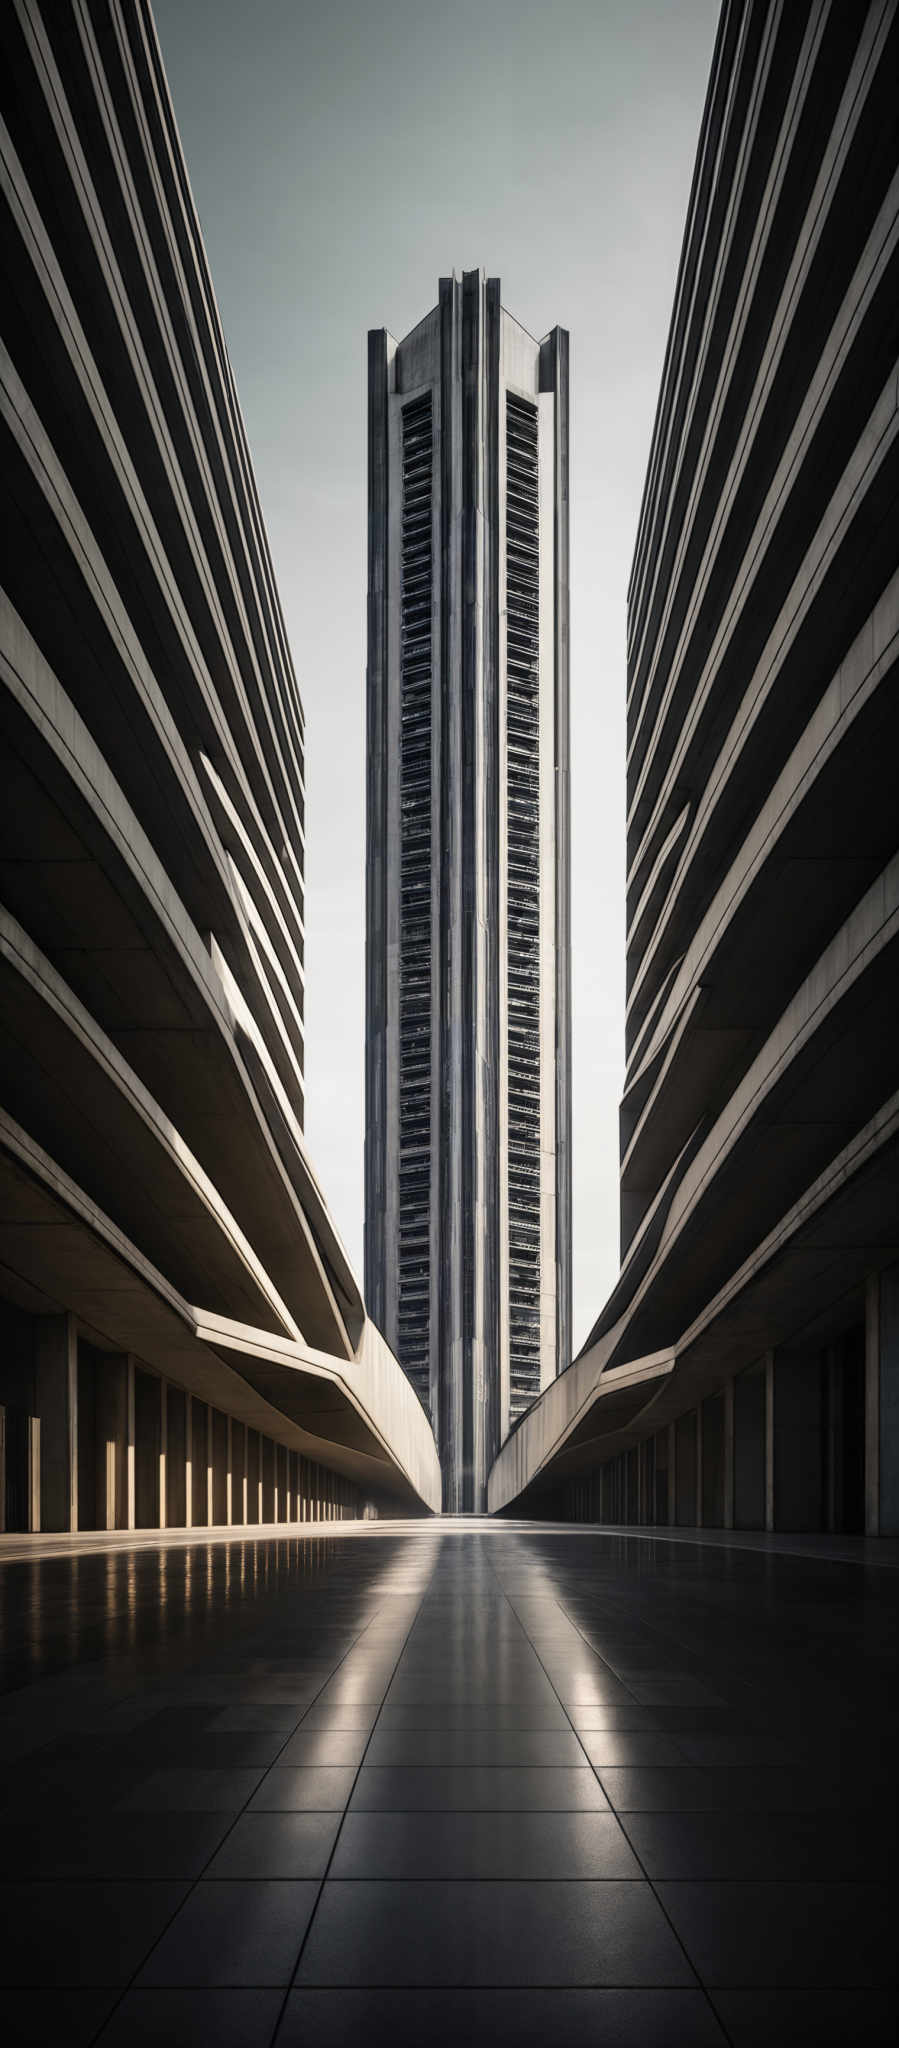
pixel 804 1439
pixel 104 1443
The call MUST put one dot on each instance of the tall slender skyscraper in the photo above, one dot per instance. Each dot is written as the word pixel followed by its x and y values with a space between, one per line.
pixel 468 1096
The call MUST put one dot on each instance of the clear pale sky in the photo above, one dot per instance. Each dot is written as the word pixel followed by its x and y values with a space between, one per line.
pixel 344 155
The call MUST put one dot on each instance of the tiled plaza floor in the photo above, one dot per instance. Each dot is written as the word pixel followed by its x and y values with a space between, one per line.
pixel 447 1782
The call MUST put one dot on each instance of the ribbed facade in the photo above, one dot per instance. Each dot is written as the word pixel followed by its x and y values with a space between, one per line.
pixel 416 684
pixel 523 1013
pixel 161 1215
pixel 468 1242
pixel 760 1115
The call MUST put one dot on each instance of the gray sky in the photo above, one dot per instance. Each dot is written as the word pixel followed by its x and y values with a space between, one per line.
pixel 344 155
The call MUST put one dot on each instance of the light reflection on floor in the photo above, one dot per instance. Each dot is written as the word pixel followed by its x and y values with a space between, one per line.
pixel 446 1781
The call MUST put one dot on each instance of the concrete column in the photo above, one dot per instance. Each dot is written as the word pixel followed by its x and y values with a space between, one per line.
pixel 2 1471
pixel 672 1476
pixel 699 1464
pixel 888 1432
pixel 872 1405
pixel 251 1440
pixel 163 1449
pixel 769 1440
pixel 291 1495
pixel 56 1404
pixel 260 1488
pixel 277 1489
pixel 175 1457
pixel 112 1441
pixel 34 1473
pixel 210 1468
pixel 882 1403
pixel 729 1454
pixel 219 1424
pixel 147 1415
pixel 243 1478
pixel 188 1462
pixel 199 1461
pixel 832 1506
pixel 130 1449
pixel 229 1473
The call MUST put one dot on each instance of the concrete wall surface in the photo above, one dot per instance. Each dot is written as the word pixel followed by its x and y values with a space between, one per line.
pixel 155 1178
pixel 759 1122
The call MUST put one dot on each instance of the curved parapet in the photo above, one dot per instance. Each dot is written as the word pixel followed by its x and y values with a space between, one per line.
pixel 561 1429
pixel 361 1416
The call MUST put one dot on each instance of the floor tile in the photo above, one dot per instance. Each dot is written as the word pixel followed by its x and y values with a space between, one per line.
pixel 483 1845
pixel 707 1747
pixel 325 1746
pixel 810 1934
pixel 464 1714
pixel 194 2019
pixel 256 1716
pixel 611 1746
pixel 34 2018
pixel 303 1787
pixel 783 2017
pixel 277 1845
pixel 497 1933
pixel 192 1791
pixel 419 1788
pixel 474 1746
pixel 763 1845
pixel 126 1845
pixel 687 1788
pixel 234 1933
pixel 673 1692
pixel 498 2019
pixel 631 1718
pixel 328 1716
pixel 55 1934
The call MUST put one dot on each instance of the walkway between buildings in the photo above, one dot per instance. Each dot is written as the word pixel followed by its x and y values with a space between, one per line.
pixel 446 1782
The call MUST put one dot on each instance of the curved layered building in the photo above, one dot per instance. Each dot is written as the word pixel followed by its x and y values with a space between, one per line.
pixel 183 1338
pixel 745 1370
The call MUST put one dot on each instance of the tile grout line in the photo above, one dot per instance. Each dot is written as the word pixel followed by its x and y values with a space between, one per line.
pixel 324 1878
pixel 646 1877
pixel 96 2037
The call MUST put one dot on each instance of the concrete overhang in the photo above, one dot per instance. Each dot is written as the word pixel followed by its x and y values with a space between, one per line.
pixel 826 824
pixel 819 1075
pixel 86 883
pixel 60 1252
pixel 800 1285
pixel 586 1403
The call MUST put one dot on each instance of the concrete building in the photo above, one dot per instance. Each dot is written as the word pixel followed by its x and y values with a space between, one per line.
pixel 183 1340
pixel 745 1370
pixel 467 1176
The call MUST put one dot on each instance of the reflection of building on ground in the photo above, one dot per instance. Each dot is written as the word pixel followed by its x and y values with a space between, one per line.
pixel 745 1370
pixel 182 1340
pixel 468 1090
